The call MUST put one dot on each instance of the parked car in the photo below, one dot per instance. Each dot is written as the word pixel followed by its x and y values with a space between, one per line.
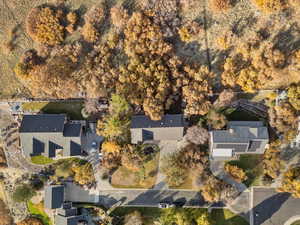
pixel 163 205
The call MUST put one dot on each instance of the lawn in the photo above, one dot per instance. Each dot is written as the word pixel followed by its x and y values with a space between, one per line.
pixel 72 109
pixel 296 222
pixel 41 160
pixel 252 165
pixel 226 217
pixel 219 216
pixel 187 184
pixel 134 179
pixel 242 115
pixel 37 210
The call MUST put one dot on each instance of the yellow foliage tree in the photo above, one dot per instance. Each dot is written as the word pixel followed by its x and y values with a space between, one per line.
pixel 291 182
pixel 111 147
pixel 237 173
pixel 83 174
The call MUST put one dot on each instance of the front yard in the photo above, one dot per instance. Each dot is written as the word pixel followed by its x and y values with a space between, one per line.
pixel 218 216
pixel 252 165
pixel 41 160
pixel 125 178
pixel 72 109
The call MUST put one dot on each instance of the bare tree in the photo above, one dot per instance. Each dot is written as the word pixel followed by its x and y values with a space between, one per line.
pixel 226 97
pixel 197 135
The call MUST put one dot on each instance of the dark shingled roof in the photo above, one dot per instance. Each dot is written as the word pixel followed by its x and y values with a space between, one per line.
pixel 43 123
pixel 72 130
pixel 54 196
pixel 142 121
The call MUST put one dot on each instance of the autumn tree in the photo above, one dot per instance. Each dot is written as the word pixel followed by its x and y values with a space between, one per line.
pixel 204 219
pixel 110 147
pixel 291 182
pixel 171 167
pixel 134 218
pixel 283 117
pixel 220 5
pixel 83 174
pixel 294 95
pixel 119 16
pixel 92 19
pixel 31 221
pixel 215 190
pixel 271 161
pixel 269 6
pixel 225 98
pixel 190 31
pixel 44 25
pixel 197 85
pixel 115 126
pixel 236 173
pixel 216 119
pixel 197 135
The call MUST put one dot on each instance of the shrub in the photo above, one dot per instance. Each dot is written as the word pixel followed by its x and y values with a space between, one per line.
pixel 43 25
pixel 30 221
pixel 220 5
pixel 23 193
pixel 237 173
pixel 270 5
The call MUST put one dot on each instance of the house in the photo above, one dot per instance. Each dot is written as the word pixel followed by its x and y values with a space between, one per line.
pixel 170 127
pixel 69 215
pixel 54 196
pixel 50 135
pixel 241 137
pixel 65 213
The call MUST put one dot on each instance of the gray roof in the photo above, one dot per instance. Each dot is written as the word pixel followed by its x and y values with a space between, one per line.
pixel 47 141
pixel 72 130
pixel 171 127
pixel 70 220
pixel 169 120
pixel 43 123
pixel 242 137
pixel 54 196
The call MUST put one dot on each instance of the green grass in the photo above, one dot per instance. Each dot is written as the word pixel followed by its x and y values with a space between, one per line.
pixel 252 165
pixel 218 216
pixel 37 210
pixel 241 115
pixel 41 160
pixel 296 222
pixel 226 217
pixel 72 109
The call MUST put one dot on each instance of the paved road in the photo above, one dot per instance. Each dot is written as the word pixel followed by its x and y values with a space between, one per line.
pixel 273 208
pixel 135 197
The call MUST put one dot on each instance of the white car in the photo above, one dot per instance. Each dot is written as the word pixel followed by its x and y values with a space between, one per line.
pixel 162 205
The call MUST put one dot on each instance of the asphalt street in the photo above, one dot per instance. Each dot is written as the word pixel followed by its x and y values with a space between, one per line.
pixel 273 208
pixel 135 197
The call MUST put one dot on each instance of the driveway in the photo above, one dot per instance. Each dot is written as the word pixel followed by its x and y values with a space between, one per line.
pixel 273 208
pixel 166 148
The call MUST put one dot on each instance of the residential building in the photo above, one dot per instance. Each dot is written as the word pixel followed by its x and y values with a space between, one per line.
pixel 170 127
pixel 65 213
pixel 50 135
pixel 296 141
pixel 240 137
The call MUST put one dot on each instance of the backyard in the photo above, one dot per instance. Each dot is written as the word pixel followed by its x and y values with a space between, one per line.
pixel 37 210
pixel 72 109
pixel 252 165
pixel 218 216
pixel 136 179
